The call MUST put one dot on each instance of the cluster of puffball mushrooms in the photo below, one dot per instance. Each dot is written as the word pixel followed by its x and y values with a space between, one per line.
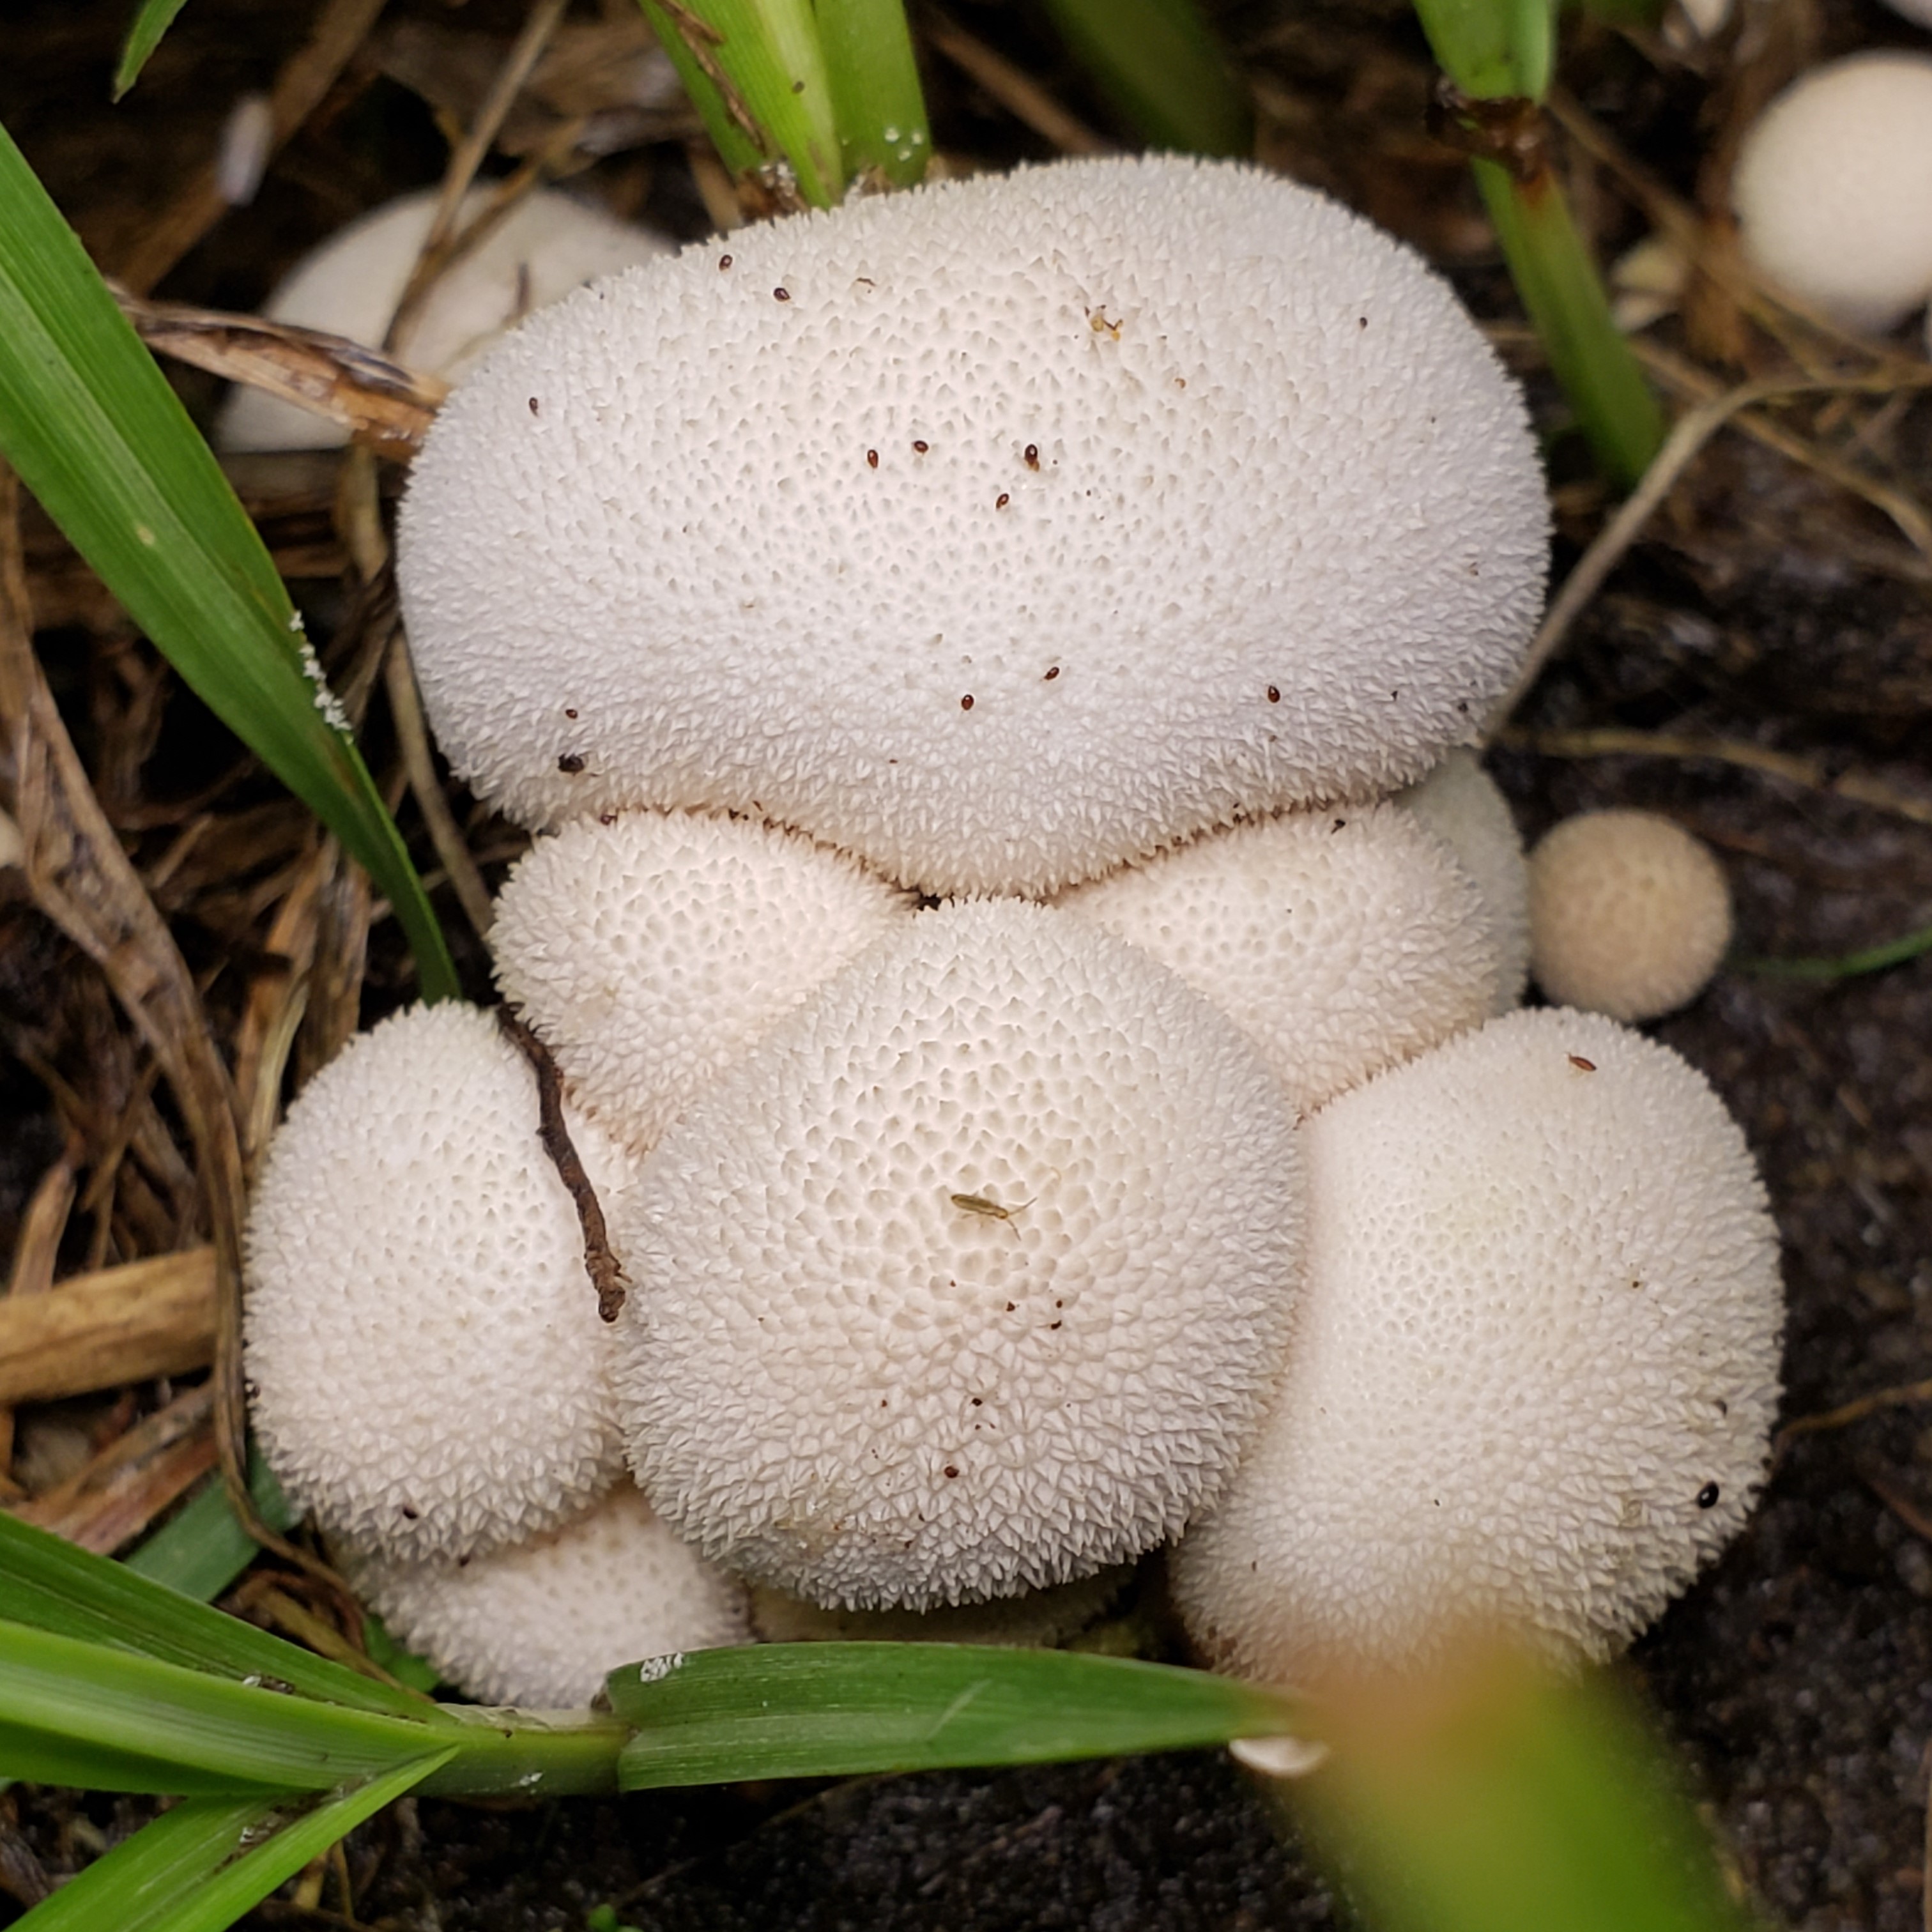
pixel 1034 982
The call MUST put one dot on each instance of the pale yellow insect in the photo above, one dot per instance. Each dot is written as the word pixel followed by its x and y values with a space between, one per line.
pixel 991 1210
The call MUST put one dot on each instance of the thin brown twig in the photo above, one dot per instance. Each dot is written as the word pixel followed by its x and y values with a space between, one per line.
pixel 1019 93
pixel 412 736
pixel 1902 1396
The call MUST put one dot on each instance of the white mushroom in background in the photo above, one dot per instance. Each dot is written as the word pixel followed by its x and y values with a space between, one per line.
pixel 971 1277
pixel 1630 916
pixel 1534 1367
pixel 1833 188
pixel 650 951
pixel 998 532
pixel 543 1622
pixel 423 1349
pixel 548 244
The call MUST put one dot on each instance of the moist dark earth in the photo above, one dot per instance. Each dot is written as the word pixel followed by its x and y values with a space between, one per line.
pixel 1764 606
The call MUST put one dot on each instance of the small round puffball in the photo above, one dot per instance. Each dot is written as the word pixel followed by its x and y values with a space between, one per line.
pixel 1533 1367
pixel 970 1277
pixel 647 954
pixel 548 244
pixel 1833 188
pixel 1460 803
pixel 542 1623
pixel 1340 942
pixel 1629 914
pixel 423 1349
pixel 1038 1620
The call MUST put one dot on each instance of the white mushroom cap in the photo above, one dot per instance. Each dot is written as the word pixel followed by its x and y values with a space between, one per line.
pixel 970 1277
pixel 542 1623
pixel 1339 942
pixel 423 1343
pixel 1833 188
pixel 997 532
pixel 1460 803
pixel 1038 1619
pixel 1533 1367
pixel 1629 914
pixel 647 954
pixel 546 245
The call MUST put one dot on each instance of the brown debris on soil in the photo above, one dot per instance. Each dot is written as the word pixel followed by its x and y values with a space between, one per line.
pixel 1753 657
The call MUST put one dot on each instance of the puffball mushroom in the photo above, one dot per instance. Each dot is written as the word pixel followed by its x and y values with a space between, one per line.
pixel 1340 942
pixel 1039 1619
pixel 1533 1365
pixel 422 1344
pixel 1630 916
pixel 997 532
pixel 546 245
pixel 1833 188
pixel 542 1623
pixel 648 952
pixel 969 1278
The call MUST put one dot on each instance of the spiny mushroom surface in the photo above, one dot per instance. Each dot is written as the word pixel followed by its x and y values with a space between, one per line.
pixel 1630 916
pixel 543 1622
pixel 1038 1619
pixel 970 1277
pixel 1340 942
pixel 646 954
pixel 422 1344
pixel 1533 1365
pixel 997 532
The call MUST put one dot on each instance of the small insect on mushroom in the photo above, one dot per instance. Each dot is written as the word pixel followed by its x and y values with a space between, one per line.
pixel 990 1209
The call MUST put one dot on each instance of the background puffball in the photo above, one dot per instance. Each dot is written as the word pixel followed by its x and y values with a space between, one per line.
pixel 1630 916
pixel 422 1343
pixel 1833 188
pixel 1533 1367
pixel 543 1622
pixel 546 245
pixel 969 1278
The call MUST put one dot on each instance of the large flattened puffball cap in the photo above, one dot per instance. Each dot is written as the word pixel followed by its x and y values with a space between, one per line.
pixel 1533 1368
pixel 1833 188
pixel 542 1623
pixel 422 1343
pixel 1629 915
pixel 546 245
pixel 997 532
pixel 649 952
pixel 843 1373
pixel 1340 942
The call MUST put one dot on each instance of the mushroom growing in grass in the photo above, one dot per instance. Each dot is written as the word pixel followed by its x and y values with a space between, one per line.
pixel 970 1277
pixel 1533 1365
pixel 998 532
pixel 548 244
pixel 1630 916
pixel 1833 188
pixel 423 1348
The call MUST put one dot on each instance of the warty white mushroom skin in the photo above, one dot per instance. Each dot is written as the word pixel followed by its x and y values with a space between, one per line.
pixel 969 1278
pixel 546 245
pixel 1037 1620
pixel 998 532
pixel 543 1622
pixel 1833 188
pixel 1629 915
pixel 649 952
pixel 1340 942
pixel 1534 1365
pixel 423 1349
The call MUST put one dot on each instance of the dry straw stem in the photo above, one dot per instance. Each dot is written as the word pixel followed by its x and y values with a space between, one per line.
pixel 1023 97
pixel 121 1325
pixel 1821 1421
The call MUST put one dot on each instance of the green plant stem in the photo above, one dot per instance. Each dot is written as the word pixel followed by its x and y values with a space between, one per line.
pixel 1492 49
pixel 534 1753
pixel 1157 62
pixel 875 91
pixel 1845 965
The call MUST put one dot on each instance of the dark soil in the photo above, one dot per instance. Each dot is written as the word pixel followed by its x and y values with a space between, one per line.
pixel 1764 606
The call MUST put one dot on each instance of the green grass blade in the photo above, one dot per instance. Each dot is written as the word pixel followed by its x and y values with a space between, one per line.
pixel 1492 49
pixel 1844 965
pixel 91 424
pixel 1500 1798
pixel 51 1585
pixel 757 74
pixel 876 96
pixel 73 1711
pixel 816 1710
pixel 153 20
pixel 198 1867
pixel 202 1548
pixel 1155 60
